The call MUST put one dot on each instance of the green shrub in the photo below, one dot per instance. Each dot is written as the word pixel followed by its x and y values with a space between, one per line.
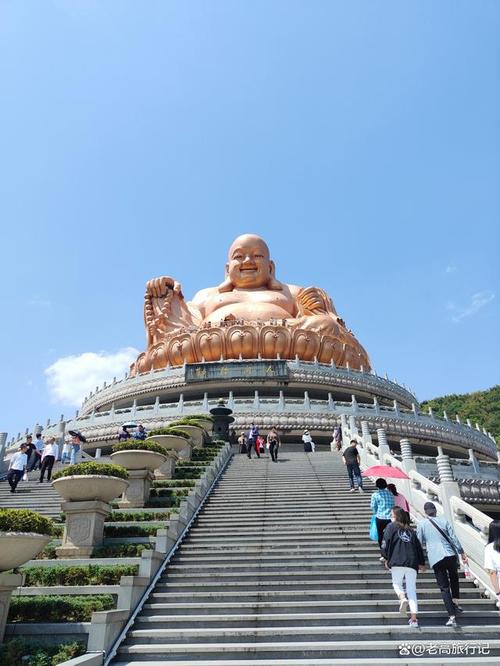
pixel 58 608
pixel 174 493
pixel 89 468
pixel 173 483
pixel 169 431
pixel 137 516
pixel 48 553
pixel 188 472
pixel 121 550
pixel 19 652
pixel 24 520
pixel 57 530
pixel 206 417
pixel 114 531
pixel 190 463
pixel 138 445
pixel 90 574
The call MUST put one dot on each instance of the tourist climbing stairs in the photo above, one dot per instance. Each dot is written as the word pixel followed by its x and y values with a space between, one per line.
pixel 278 569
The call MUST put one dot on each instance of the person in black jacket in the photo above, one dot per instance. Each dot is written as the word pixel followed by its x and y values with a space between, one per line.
pixel 404 556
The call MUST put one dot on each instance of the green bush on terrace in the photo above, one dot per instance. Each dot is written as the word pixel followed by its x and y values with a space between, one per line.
pixel 137 516
pixel 58 608
pixel 169 431
pixel 24 520
pixel 138 445
pixel 90 468
pixel 121 550
pixel 20 652
pixel 89 574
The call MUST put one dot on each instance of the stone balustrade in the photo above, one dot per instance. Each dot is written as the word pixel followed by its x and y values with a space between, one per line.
pixel 470 524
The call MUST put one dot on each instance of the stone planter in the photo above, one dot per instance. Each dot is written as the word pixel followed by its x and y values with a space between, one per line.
pixel 92 487
pixel 196 434
pixel 8 583
pixel 137 459
pixel 86 509
pixel 17 548
pixel 180 445
pixel 84 527
pixel 206 424
pixel 140 466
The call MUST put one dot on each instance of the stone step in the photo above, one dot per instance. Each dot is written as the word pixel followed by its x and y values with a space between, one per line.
pixel 305 607
pixel 374 661
pixel 251 620
pixel 287 593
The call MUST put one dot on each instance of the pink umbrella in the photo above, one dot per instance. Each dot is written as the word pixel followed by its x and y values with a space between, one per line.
pixel 385 471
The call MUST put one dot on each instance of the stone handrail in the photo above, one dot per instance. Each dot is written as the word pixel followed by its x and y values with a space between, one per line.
pixel 470 524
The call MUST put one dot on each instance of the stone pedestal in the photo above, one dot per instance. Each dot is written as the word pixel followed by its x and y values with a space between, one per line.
pixel 8 583
pixel 137 493
pixel 166 470
pixel 84 528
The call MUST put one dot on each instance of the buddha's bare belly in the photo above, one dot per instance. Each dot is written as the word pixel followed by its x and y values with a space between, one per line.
pixel 249 311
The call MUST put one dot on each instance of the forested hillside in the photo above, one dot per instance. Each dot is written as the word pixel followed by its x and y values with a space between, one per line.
pixel 482 407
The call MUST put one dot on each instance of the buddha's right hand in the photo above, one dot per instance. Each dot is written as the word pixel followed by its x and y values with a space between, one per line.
pixel 159 287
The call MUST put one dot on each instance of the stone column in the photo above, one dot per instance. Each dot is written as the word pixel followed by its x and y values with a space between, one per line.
pixel 383 446
pixel 84 528
pixel 353 427
pixel 408 464
pixel 3 448
pixel 365 433
pixel 8 583
pixel 62 434
pixel 137 493
pixel 448 487
pixel 474 461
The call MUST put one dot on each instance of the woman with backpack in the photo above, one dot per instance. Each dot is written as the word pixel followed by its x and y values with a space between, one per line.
pixel 404 556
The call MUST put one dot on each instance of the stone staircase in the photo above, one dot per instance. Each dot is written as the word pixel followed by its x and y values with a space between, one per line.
pixel 279 570
pixel 33 495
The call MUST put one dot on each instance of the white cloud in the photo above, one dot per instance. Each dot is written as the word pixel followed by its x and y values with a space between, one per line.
pixel 450 269
pixel 477 302
pixel 71 378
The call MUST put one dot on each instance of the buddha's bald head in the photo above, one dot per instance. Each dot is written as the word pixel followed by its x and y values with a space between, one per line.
pixel 249 265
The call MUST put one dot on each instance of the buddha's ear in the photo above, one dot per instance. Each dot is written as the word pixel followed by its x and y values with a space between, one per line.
pixel 273 283
pixel 227 285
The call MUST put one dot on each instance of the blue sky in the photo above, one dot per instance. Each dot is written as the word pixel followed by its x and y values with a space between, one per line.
pixel 361 139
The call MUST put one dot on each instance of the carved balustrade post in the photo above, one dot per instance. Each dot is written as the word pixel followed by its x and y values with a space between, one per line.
pixel 383 446
pixel 448 487
pixel 3 447
pixel 408 465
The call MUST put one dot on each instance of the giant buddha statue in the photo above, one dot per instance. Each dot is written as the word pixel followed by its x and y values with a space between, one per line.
pixel 250 315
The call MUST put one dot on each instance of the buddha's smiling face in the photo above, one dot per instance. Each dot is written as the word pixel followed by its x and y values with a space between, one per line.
pixel 249 264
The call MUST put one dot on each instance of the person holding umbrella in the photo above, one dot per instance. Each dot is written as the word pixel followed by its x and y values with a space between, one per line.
pixel 77 439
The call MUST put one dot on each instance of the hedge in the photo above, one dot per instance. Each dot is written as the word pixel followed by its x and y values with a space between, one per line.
pixel 89 468
pixel 169 431
pixel 90 574
pixel 113 531
pixel 58 608
pixel 121 550
pixel 24 520
pixel 188 472
pixel 138 445
pixel 137 516
pixel 19 652
pixel 173 483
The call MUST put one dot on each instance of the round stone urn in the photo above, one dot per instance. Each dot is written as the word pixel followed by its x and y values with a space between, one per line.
pixel 196 434
pixel 172 443
pixel 138 459
pixel 17 548
pixel 92 487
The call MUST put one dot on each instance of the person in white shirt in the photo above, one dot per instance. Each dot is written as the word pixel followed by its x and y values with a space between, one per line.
pixel 49 456
pixel 17 467
pixel 492 556
pixel 309 445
